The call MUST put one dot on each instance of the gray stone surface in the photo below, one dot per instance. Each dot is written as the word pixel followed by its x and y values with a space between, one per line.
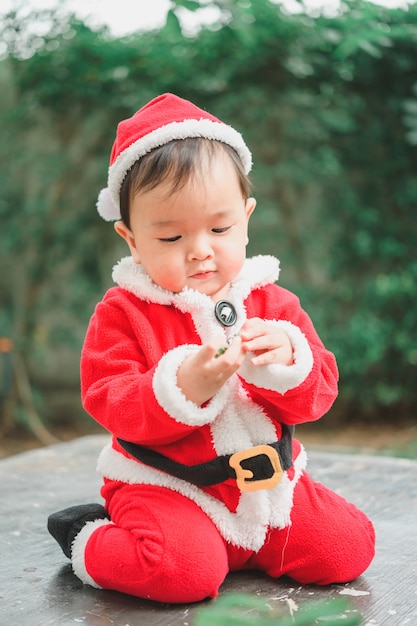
pixel 38 588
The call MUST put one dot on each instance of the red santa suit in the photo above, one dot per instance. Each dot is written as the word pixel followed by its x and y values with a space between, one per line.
pixel 171 540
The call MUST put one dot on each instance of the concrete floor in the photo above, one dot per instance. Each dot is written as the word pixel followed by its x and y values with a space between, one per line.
pixel 38 588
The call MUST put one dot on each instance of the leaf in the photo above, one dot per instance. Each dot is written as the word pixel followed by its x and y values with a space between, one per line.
pixel 248 610
pixel 410 106
pixel 412 137
pixel 190 5
pixel 370 48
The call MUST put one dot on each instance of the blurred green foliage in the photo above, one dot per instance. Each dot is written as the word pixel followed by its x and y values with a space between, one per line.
pixel 242 609
pixel 328 106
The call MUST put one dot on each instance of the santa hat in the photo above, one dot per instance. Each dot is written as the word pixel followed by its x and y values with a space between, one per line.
pixel 163 119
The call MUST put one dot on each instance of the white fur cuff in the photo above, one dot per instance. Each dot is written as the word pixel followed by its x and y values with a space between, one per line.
pixel 78 551
pixel 277 377
pixel 172 399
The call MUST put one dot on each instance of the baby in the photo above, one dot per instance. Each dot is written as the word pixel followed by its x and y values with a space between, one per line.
pixel 200 366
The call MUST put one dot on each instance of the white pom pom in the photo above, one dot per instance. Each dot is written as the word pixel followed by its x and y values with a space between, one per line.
pixel 106 207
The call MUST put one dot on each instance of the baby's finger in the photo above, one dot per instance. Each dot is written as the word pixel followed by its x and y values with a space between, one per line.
pixel 261 343
pixel 207 351
pixel 282 355
pixel 252 328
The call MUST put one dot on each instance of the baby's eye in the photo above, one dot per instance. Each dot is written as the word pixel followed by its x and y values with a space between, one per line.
pixel 221 230
pixel 169 239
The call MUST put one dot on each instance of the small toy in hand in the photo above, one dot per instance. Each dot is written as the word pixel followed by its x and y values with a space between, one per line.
pixel 222 350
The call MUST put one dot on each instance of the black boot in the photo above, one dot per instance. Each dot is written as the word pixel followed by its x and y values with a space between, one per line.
pixel 65 525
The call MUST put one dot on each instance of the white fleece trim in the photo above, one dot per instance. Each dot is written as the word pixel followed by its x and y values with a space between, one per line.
pixel 132 277
pixel 242 423
pixel 172 399
pixel 164 134
pixel 282 500
pixel 201 309
pixel 78 551
pixel 277 377
pixel 246 528
pixel 256 272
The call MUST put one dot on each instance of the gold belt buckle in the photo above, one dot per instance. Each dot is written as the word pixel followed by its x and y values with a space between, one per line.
pixel 242 474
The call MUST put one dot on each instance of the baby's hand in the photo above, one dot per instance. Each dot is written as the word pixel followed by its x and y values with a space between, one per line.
pixel 268 342
pixel 203 373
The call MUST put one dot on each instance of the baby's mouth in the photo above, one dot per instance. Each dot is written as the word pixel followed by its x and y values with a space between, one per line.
pixel 203 275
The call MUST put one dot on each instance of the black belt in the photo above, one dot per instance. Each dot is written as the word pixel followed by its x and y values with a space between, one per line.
pixel 260 467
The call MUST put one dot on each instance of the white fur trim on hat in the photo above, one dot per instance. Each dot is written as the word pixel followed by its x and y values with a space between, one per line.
pixel 106 207
pixel 160 136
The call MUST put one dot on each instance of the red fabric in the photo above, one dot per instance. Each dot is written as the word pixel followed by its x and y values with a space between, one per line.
pixel 161 544
pixel 159 112
pixel 329 541
pixel 125 341
pixel 163 547
pixel 160 121
pixel 314 397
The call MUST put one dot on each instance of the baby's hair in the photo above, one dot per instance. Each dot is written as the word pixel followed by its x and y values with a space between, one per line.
pixel 177 161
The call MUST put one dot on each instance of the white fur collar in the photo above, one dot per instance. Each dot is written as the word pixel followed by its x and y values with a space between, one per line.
pixel 257 272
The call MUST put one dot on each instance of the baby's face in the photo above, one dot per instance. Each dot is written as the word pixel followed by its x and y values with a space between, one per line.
pixel 195 237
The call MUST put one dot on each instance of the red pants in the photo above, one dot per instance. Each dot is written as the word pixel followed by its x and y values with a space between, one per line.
pixel 162 546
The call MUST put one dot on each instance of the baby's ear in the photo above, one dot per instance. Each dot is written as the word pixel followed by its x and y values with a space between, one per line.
pixel 126 234
pixel 250 207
